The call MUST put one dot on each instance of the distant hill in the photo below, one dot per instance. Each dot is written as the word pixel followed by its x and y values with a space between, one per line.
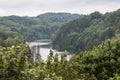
pixel 34 28
pixel 84 33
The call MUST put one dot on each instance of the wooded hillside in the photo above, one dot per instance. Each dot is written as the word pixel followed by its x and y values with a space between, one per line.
pixel 84 33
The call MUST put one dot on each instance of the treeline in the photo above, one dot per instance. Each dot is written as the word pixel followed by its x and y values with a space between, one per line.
pixel 99 63
pixel 9 38
pixel 34 28
pixel 88 31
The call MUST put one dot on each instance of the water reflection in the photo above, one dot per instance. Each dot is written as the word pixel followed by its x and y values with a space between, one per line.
pixel 45 47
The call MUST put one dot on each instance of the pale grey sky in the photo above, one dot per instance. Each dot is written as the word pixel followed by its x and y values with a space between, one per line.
pixel 36 7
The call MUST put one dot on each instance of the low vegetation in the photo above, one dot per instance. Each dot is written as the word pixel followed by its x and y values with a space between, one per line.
pixel 99 63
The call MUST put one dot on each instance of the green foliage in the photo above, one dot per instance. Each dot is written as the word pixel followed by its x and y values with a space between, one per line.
pixel 98 63
pixel 51 69
pixel 35 28
pixel 16 64
pixel 88 31
pixel 102 62
pixel 9 38
pixel 116 77
pixel 13 61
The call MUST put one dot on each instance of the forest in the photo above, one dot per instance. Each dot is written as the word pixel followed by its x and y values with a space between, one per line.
pixel 86 32
pixel 34 28
pixel 94 40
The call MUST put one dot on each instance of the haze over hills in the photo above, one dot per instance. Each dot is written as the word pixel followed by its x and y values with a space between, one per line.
pixel 36 7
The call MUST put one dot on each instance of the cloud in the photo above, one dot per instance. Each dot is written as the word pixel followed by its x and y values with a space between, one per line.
pixel 35 7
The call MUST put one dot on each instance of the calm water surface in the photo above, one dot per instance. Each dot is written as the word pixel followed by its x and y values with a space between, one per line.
pixel 45 48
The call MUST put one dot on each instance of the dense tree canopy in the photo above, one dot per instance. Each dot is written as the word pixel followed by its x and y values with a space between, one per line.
pixel 84 33
pixel 100 62
pixel 39 27
pixel 9 38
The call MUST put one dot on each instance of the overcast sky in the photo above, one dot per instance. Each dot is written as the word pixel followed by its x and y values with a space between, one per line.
pixel 36 7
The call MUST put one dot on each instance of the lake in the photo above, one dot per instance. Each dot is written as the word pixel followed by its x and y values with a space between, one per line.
pixel 45 47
